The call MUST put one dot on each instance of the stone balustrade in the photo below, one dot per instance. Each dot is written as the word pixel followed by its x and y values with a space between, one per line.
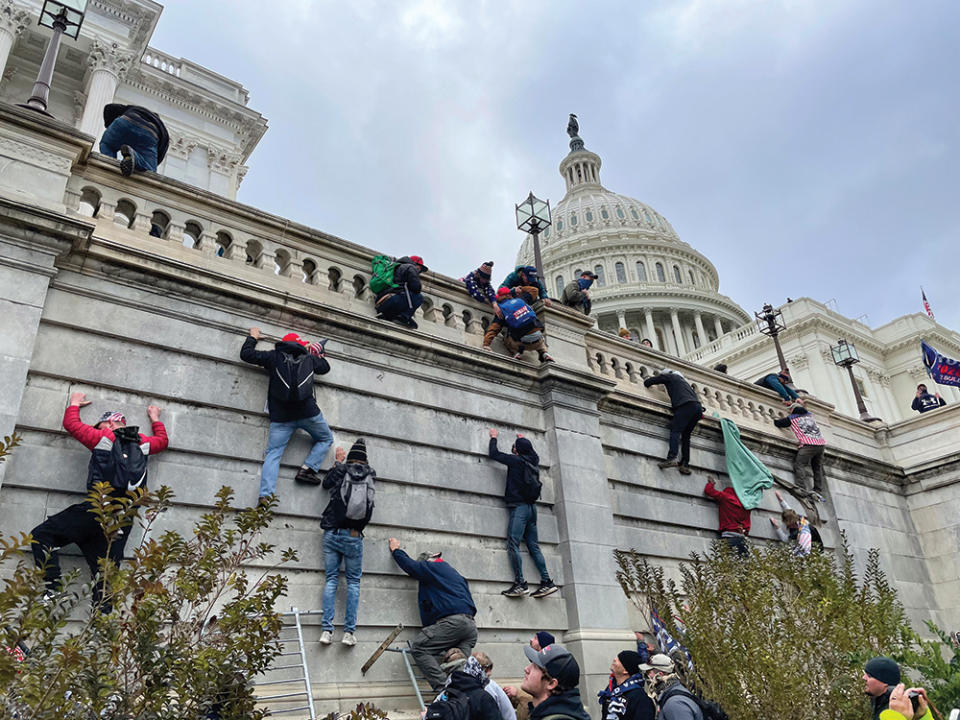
pixel 162 61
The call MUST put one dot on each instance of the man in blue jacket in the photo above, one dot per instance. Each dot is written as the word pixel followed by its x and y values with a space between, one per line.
pixel 521 494
pixel 926 401
pixel 446 611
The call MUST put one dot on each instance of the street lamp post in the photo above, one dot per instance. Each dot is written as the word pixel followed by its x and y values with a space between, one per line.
pixel 770 322
pixel 533 215
pixel 845 355
pixel 64 17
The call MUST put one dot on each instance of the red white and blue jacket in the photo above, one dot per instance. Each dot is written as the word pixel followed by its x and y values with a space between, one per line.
pixel 102 439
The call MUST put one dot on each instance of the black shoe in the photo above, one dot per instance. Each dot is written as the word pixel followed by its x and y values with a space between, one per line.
pixel 545 588
pixel 517 590
pixel 668 463
pixel 308 476
pixel 126 165
pixel 411 323
pixel 684 470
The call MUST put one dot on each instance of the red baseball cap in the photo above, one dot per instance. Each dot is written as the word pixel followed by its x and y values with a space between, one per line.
pixel 293 337
pixel 419 261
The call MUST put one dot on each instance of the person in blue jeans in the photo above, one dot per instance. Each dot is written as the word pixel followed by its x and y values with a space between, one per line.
pixel 779 383
pixel 522 526
pixel 138 134
pixel 291 404
pixel 351 486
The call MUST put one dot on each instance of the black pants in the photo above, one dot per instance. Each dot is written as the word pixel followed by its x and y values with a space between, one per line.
pixel 77 524
pixel 737 543
pixel 685 419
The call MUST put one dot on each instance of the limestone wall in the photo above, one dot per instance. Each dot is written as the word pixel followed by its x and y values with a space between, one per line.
pixel 132 320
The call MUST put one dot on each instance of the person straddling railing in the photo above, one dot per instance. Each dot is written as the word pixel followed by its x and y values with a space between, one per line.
pixel 292 366
pixel 780 384
pixel 687 412
pixel 398 288
pixel 138 134
pixel 119 457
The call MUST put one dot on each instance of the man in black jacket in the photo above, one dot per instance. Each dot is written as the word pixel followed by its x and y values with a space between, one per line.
pixel 625 697
pixel 687 412
pixel 551 679
pixel 926 401
pixel 446 611
pixel 470 681
pixel 880 676
pixel 291 405
pixel 351 486
pixel 401 302
pixel 138 134
pixel 521 494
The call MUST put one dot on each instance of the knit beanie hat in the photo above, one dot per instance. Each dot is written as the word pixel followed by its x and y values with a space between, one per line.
pixel 883 669
pixel 358 453
pixel 485 270
pixel 524 447
pixel 630 659
pixel 544 639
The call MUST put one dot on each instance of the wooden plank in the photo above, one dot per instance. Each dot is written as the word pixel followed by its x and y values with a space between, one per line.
pixel 380 650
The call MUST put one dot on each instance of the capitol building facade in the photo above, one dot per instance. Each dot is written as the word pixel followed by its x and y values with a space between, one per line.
pixel 649 281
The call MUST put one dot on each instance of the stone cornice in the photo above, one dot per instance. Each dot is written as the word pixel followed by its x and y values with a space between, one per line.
pixel 139 17
pixel 13 17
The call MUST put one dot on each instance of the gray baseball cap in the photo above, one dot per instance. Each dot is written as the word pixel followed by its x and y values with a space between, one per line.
pixel 558 662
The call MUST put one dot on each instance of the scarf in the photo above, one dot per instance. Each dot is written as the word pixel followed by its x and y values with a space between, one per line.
pixel 585 283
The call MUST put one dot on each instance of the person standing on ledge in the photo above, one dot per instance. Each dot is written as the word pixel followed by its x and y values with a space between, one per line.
pixel 925 401
pixel 687 412
pixel 292 365
pixel 521 494
pixel 138 134
pixel 576 293
pixel 446 611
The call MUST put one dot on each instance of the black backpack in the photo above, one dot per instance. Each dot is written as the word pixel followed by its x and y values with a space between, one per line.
pixel 124 466
pixel 709 709
pixel 530 486
pixel 292 379
pixel 452 704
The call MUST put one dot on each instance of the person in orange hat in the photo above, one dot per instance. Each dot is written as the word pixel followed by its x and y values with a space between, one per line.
pixel 292 366
pixel 400 302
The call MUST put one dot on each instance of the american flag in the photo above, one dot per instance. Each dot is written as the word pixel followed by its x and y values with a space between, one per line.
pixel 665 640
pixel 926 305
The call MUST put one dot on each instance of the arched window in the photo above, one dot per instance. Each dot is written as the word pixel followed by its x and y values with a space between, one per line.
pixel 559 225
pixel 309 268
pixel 604 214
pixel 641 272
pixel 589 216
pixel 633 212
pixel 191 234
pixel 620 213
pixel 573 219
pixel 159 221
pixel 559 285
pixel 89 202
pixel 601 280
pixel 676 275
pixel 224 241
pixel 254 250
pixel 125 213
pixel 621 272
pixel 661 277
pixel 692 281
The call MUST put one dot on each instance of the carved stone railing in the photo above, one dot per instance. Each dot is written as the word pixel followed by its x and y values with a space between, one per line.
pixel 161 61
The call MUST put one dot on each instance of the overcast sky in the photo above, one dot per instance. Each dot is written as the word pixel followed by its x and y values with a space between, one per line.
pixel 806 147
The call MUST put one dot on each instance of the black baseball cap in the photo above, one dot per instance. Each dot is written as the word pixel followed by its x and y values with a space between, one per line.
pixel 558 662
pixel 592 276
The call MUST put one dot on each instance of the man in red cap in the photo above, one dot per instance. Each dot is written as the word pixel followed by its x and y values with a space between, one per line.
pixel 292 365
pixel 400 302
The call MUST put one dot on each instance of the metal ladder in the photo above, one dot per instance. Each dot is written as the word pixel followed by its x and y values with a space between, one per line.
pixel 300 653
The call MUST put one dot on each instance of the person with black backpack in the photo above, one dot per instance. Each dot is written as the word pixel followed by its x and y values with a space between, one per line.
pixel 118 457
pixel 673 699
pixel 464 697
pixel 521 494
pixel 292 365
pixel 398 288
pixel 351 486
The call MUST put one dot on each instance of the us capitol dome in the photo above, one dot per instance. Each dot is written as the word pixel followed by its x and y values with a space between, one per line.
pixel 650 281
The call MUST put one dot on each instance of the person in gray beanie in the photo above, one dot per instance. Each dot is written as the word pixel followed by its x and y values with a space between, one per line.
pixel 880 676
pixel 521 494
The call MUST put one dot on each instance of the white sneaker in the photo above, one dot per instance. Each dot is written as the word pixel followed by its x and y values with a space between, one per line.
pixel 326 637
pixel 349 639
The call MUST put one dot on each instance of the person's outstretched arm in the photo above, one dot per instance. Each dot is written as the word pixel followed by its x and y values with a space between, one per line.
pixel 407 564
pixel 158 442
pixel 495 453
pixel 249 352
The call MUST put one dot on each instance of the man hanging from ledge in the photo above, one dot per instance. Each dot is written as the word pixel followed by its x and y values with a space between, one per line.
pixel 446 611
pixel 138 134
pixel 809 458
pixel 687 412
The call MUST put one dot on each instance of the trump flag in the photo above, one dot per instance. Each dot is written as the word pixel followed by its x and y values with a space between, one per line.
pixel 942 369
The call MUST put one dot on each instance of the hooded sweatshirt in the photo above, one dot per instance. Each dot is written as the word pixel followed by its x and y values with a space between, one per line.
pixel 513 280
pixel 443 591
pixel 678 388
pixel 568 704
pixel 515 468
pixel 335 514
pixel 407 277
pixel 269 359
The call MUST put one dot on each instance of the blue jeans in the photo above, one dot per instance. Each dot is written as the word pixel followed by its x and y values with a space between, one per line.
pixel 338 545
pixel 523 526
pixel 280 434
pixel 143 143
pixel 396 306
pixel 773 382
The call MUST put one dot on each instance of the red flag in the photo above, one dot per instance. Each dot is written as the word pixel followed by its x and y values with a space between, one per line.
pixel 926 305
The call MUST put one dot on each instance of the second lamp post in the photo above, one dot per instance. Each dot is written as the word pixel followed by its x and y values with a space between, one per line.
pixel 533 215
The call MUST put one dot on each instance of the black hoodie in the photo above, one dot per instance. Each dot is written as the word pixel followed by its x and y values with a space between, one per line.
pixel 269 359
pixel 678 388
pixel 515 468
pixel 568 704
pixel 482 704
pixel 141 116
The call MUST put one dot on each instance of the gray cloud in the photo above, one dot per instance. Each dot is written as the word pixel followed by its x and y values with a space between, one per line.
pixel 806 148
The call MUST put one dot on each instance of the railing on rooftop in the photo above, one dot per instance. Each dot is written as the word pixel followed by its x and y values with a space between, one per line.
pixel 162 62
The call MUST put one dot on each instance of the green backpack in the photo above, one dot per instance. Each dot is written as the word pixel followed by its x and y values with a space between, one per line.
pixel 382 277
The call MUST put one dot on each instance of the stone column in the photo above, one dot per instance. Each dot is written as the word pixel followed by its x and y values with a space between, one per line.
pixel 677 333
pixel 698 321
pixel 622 319
pixel 13 19
pixel 583 504
pixel 717 326
pixel 651 330
pixel 107 65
